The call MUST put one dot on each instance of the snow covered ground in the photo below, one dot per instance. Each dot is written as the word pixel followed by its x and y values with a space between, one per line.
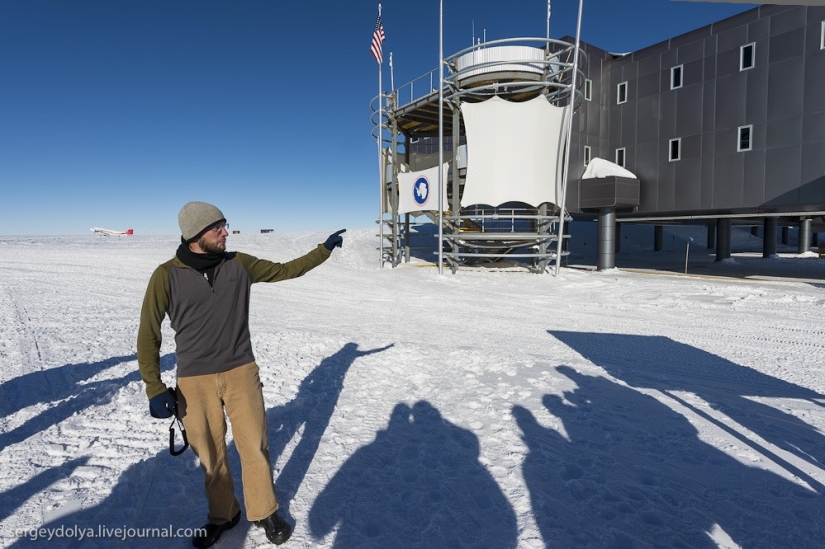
pixel 490 408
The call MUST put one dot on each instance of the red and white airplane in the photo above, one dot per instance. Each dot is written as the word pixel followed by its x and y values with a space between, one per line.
pixel 109 232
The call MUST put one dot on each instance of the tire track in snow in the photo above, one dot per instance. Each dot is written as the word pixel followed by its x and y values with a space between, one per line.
pixel 30 353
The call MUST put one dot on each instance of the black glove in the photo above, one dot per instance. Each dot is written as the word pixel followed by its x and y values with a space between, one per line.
pixel 335 240
pixel 163 405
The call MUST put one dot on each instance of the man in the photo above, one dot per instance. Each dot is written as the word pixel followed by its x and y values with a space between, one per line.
pixel 205 291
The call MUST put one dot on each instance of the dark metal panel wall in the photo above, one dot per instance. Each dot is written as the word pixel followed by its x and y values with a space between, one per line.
pixel 708 105
pixel 648 196
pixel 708 143
pixel 813 126
pixel 756 101
pixel 692 52
pixel 628 114
pixel 786 20
pixel 688 111
pixel 753 189
pixel 783 172
pixel 785 89
pixel 729 170
pixel 730 100
pixel 781 97
pixel 814 85
pixel 759 30
pixel 813 173
pixel 648 115
pixel 785 132
pixel 688 193
pixel 787 45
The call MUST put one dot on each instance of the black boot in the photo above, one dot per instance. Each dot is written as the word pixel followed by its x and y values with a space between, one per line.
pixel 209 533
pixel 277 529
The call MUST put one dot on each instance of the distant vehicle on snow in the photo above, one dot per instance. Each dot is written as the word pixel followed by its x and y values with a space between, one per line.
pixel 109 232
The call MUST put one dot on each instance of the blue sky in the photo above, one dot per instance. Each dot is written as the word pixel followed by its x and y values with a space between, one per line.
pixel 115 113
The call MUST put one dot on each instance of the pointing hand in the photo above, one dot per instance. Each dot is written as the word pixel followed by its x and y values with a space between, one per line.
pixel 335 240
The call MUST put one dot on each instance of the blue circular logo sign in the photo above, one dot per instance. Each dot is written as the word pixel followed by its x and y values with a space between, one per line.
pixel 421 190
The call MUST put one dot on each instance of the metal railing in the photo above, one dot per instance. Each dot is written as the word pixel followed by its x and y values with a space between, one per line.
pixel 555 68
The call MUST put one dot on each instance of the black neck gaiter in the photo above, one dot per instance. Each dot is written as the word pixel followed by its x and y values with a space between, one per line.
pixel 199 262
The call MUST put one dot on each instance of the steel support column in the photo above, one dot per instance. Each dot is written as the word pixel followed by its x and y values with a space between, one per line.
pixel 606 242
pixel 658 238
pixel 769 238
pixel 804 235
pixel 723 238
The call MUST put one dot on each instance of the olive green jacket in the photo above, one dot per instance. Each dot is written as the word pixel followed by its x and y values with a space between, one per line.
pixel 210 321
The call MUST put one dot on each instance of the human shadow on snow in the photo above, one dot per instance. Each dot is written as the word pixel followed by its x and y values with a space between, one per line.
pixel 656 362
pixel 13 498
pixel 418 484
pixel 312 409
pixel 167 492
pixel 162 492
pixel 64 385
pixel 628 471
pixel 310 412
pixel 51 384
pixel 154 493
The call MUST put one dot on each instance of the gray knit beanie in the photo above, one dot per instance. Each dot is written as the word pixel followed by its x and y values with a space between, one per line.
pixel 195 217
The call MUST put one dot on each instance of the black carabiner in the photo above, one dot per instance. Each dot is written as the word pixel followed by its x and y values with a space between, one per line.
pixel 175 418
pixel 172 438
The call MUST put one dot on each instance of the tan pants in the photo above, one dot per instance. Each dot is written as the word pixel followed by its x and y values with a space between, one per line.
pixel 201 402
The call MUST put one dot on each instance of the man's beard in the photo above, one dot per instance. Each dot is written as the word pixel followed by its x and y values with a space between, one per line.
pixel 212 247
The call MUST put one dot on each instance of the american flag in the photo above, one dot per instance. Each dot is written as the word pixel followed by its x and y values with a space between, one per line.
pixel 377 38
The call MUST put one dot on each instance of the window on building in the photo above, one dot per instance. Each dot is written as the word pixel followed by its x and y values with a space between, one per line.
pixel 747 56
pixel 745 142
pixel 676 77
pixel 675 150
pixel 620 157
pixel 588 89
pixel 621 93
pixel 822 37
pixel 587 155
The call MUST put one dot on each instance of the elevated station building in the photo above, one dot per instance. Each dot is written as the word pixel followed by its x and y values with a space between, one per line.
pixel 721 126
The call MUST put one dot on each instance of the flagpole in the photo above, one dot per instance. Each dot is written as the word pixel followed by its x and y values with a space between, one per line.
pixel 381 169
pixel 548 21
pixel 392 76
pixel 377 39
pixel 569 138
pixel 440 135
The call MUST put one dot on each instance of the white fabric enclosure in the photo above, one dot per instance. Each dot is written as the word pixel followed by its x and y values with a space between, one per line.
pixel 514 152
pixel 418 191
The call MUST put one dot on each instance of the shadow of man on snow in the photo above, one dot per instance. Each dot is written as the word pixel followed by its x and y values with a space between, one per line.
pixel 419 484
pixel 153 493
pixel 51 384
pixel 312 409
pixel 167 492
pixel 13 498
pixel 62 384
pixel 656 362
pixel 630 472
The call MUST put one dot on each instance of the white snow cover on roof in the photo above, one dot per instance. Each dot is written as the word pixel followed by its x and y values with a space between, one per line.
pixel 599 168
